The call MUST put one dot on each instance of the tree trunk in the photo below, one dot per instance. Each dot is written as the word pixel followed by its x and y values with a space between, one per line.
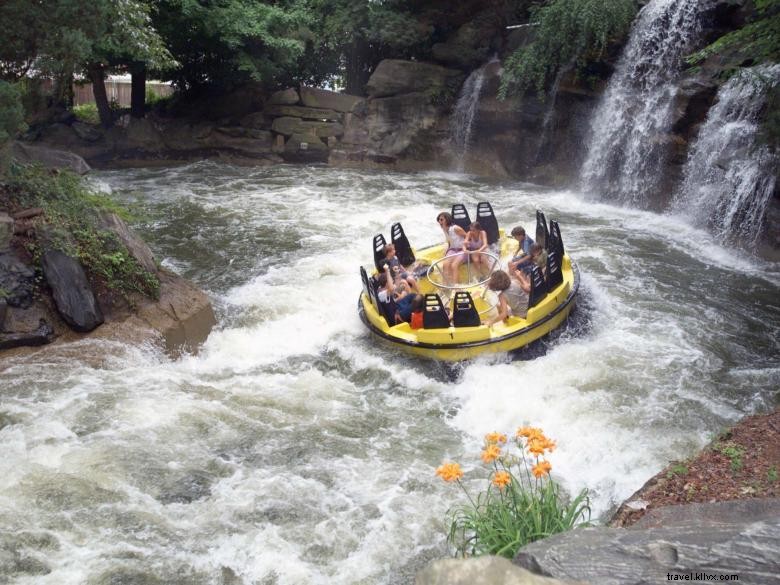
pixel 356 68
pixel 138 90
pixel 97 75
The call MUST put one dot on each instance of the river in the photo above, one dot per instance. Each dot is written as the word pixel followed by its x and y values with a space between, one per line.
pixel 292 449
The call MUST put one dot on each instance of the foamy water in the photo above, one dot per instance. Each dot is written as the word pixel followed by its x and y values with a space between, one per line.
pixel 293 449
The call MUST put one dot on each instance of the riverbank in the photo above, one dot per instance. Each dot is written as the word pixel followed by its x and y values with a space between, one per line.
pixel 742 463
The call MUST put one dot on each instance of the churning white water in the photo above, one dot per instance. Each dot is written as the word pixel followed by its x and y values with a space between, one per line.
pixel 626 150
pixel 729 177
pixel 293 449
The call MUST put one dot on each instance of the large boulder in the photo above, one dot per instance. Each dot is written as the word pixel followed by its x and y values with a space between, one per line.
pixel 246 141
pixel 137 248
pixel 17 281
pixel 42 335
pixel 284 97
pixel 71 291
pixel 303 112
pixel 313 97
pixel 480 571
pixel 709 540
pixel 395 123
pixel 49 157
pixel 305 148
pixel 288 126
pixel 395 76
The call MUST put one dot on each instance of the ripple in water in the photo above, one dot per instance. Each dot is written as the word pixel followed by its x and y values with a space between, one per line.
pixel 293 449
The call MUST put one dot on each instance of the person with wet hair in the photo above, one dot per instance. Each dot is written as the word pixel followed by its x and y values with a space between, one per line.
pixel 512 295
pixel 455 255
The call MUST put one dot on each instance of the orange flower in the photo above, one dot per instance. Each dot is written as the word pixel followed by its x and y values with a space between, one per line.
pixel 501 479
pixel 529 433
pixel 498 438
pixel 449 472
pixel 541 468
pixel 536 447
pixel 491 453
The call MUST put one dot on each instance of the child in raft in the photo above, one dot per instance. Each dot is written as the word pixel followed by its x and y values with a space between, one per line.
pixel 512 295
pixel 477 241
pixel 455 235
pixel 399 272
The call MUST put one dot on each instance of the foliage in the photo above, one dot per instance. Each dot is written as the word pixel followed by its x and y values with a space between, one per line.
pixel 759 39
pixel 734 452
pixel 11 112
pixel 514 509
pixel 71 211
pixel 568 33
pixel 87 113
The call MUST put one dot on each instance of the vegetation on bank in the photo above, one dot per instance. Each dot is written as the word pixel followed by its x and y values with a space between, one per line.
pixel 521 503
pixel 71 223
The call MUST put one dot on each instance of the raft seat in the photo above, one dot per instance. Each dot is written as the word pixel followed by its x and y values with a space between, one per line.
pixel 464 312
pixel 460 216
pixel 434 314
pixel 403 250
pixel 487 219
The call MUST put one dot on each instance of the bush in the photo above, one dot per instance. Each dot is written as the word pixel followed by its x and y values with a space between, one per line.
pixel 568 33
pixel 87 113
pixel 521 503
pixel 71 212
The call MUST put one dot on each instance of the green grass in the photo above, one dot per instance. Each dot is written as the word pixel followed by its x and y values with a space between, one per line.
pixel 71 212
pixel 734 452
pixel 87 113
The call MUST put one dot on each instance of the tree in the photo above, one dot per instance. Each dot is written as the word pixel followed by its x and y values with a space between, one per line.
pixel 568 33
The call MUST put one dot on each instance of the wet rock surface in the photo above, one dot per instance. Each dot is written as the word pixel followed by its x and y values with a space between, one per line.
pixel 481 571
pixel 71 291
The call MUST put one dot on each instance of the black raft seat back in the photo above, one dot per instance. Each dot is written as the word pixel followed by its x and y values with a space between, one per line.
pixel 460 216
pixel 434 315
pixel 464 313
pixel 542 234
pixel 538 287
pixel 369 287
pixel 379 251
pixel 554 273
pixel 487 219
pixel 402 248
pixel 556 241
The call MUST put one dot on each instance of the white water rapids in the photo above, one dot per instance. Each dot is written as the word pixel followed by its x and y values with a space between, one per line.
pixel 295 450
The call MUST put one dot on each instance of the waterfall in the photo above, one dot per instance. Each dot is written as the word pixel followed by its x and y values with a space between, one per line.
pixel 465 111
pixel 729 178
pixel 628 143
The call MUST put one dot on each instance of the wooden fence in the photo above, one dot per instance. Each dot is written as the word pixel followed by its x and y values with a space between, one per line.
pixel 117 90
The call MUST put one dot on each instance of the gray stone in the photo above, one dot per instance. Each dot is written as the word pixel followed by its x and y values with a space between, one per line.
pixel 626 557
pixel 480 571
pixel 284 97
pixel 142 133
pixel 305 148
pixel 87 132
pixel 137 248
pixel 394 77
pixel 733 512
pixel 17 281
pixel 49 157
pixel 313 97
pixel 41 336
pixel 253 143
pixel 394 123
pixel 6 230
pixel 303 112
pixel 288 126
pixel 72 293
pixel 256 120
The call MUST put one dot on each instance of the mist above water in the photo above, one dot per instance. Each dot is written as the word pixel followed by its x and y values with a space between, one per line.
pixel 293 448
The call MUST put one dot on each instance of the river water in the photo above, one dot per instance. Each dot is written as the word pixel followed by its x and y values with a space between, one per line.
pixel 292 449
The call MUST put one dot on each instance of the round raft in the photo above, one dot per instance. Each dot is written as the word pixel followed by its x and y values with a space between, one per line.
pixel 453 312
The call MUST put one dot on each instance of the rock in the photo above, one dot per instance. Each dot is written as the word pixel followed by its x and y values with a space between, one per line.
pixel 137 248
pixel 288 126
pixel 256 120
pixel 394 76
pixel 630 556
pixel 284 97
pixel 72 293
pixel 305 148
pixel 303 112
pixel 87 132
pixel 471 44
pixel 41 336
pixel 313 97
pixel 183 314
pixel 6 230
pixel 49 157
pixel 3 311
pixel 394 123
pixel 17 281
pixel 143 134
pixel 480 571
pixel 730 512
pixel 252 143
pixel 28 213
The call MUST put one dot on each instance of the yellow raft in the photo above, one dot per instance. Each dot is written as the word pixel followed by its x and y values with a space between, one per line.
pixel 458 334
